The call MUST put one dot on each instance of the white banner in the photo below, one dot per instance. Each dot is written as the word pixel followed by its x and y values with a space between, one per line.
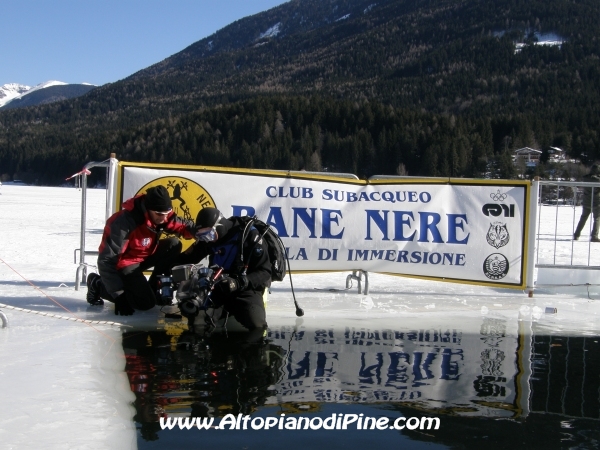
pixel 457 230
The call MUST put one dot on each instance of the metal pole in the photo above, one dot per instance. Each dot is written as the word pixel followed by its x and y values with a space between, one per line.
pixel 82 231
pixel 573 226
pixel 556 220
pixel 591 227
pixel 82 268
pixel 532 239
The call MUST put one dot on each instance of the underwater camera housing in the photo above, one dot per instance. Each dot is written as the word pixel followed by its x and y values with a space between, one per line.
pixel 194 287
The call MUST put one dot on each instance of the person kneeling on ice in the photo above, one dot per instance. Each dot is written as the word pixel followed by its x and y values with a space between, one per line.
pixel 243 254
pixel 130 245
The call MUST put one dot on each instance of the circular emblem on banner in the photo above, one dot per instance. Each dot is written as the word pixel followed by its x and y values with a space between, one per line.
pixel 188 197
pixel 497 235
pixel 495 266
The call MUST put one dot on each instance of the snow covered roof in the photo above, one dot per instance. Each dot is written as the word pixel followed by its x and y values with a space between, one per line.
pixel 527 151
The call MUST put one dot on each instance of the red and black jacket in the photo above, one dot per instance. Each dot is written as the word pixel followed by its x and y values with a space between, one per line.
pixel 130 237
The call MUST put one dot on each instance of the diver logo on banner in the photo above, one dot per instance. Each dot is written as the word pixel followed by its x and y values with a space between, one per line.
pixel 495 266
pixel 497 235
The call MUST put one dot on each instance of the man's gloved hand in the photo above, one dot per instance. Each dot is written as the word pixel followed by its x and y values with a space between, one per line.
pixel 122 307
pixel 232 283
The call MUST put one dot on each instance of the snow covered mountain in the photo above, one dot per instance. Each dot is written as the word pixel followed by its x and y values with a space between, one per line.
pixel 15 95
pixel 10 91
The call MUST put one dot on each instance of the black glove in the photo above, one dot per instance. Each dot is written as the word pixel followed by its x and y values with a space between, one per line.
pixel 122 306
pixel 232 283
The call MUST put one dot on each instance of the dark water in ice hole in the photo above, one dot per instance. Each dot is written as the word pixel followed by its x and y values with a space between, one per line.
pixel 512 385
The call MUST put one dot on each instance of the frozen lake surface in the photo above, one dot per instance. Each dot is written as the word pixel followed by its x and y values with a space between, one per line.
pixel 68 384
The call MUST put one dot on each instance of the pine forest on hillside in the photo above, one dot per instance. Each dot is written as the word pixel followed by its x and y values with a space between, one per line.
pixel 419 87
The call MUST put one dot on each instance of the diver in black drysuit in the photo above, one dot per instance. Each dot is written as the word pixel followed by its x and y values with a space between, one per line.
pixel 246 275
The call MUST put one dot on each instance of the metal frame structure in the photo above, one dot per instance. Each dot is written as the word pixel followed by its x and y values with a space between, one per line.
pixel 560 237
pixel 358 275
pixel 110 165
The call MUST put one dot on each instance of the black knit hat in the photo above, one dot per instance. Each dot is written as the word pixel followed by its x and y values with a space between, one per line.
pixel 158 199
pixel 212 217
pixel 208 217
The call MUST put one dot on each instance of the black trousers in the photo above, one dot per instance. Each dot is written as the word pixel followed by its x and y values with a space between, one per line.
pixel 585 213
pixel 139 292
pixel 247 307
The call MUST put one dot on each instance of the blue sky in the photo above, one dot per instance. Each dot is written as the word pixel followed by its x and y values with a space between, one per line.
pixel 102 41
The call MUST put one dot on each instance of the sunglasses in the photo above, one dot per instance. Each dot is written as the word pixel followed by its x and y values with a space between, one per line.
pixel 162 213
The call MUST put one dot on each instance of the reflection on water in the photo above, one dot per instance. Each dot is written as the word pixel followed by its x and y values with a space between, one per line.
pixel 191 375
pixel 505 385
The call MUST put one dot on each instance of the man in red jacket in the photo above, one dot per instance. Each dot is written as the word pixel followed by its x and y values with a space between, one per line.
pixel 130 245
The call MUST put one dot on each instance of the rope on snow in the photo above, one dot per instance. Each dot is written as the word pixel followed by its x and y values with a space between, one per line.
pixel 57 316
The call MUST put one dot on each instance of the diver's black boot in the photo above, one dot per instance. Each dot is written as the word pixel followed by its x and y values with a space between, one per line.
pixel 93 293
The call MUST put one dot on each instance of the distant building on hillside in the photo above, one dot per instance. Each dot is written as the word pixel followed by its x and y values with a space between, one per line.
pixel 551 43
pixel 529 155
pixel 556 154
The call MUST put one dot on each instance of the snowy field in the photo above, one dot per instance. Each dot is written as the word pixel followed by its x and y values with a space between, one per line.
pixel 63 384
